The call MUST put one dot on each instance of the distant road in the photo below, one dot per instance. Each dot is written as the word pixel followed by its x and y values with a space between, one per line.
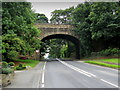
pixel 66 74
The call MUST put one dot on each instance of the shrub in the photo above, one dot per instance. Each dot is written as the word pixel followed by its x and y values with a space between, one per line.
pixel 107 52
pixel 12 55
pixel 4 65
pixel 7 70
pixel 110 51
pixel 11 63
pixel 20 67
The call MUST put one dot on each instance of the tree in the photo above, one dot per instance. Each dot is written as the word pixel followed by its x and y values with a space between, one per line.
pixel 41 18
pixel 82 24
pixel 98 25
pixel 62 16
pixel 59 48
pixel 19 34
pixel 105 23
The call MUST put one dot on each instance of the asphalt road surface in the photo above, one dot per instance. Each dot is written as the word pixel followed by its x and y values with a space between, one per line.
pixel 66 74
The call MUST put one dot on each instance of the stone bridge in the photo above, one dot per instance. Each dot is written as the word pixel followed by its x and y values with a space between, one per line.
pixel 51 31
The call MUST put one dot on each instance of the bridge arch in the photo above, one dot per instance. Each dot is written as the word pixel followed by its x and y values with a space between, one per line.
pixel 71 38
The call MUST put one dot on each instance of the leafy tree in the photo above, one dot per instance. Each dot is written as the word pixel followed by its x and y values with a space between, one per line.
pixel 41 18
pixel 98 26
pixel 19 33
pixel 62 16
pixel 82 22
pixel 105 23
pixel 59 48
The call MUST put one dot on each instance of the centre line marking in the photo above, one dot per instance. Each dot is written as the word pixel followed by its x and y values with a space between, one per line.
pixel 43 76
pixel 43 85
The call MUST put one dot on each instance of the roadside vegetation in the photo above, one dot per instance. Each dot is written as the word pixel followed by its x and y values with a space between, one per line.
pixel 6 68
pixel 113 63
pixel 28 62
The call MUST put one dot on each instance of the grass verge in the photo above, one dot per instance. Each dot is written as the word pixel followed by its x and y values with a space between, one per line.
pixel 113 60
pixel 99 62
pixel 28 62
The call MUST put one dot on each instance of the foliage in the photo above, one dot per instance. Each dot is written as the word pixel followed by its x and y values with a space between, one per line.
pixel 20 67
pixel 59 48
pixel 97 24
pixel 7 70
pixel 110 52
pixel 12 55
pixel 41 18
pixel 20 36
pixel 28 62
pixel 107 52
pixel 62 16
pixel 11 63
pixel 4 64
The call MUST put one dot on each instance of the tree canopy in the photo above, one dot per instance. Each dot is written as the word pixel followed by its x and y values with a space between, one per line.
pixel 41 18
pixel 19 33
pixel 97 24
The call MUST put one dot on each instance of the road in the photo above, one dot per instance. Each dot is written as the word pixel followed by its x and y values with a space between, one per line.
pixel 66 74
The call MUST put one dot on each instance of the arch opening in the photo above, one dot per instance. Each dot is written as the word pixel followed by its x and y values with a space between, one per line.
pixel 70 38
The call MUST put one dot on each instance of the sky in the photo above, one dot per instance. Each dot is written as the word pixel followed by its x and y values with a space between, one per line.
pixel 47 7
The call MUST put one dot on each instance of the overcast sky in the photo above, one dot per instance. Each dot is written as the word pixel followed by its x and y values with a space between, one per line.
pixel 47 7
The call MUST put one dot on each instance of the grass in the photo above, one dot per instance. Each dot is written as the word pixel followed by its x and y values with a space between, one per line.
pixel 29 62
pixel 98 62
pixel 113 60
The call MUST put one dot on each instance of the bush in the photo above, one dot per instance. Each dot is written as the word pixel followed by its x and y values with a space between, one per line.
pixel 7 70
pixel 20 67
pixel 107 52
pixel 4 65
pixel 11 63
pixel 110 52
pixel 12 55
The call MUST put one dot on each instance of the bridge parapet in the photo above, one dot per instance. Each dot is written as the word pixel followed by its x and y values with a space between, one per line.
pixel 51 29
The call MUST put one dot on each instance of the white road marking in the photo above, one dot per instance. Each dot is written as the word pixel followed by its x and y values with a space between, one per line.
pixel 43 76
pixel 43 85
pixel 39 80
pixel 86 73
pixel 44 66
pixel 109 83
pixel 77 69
